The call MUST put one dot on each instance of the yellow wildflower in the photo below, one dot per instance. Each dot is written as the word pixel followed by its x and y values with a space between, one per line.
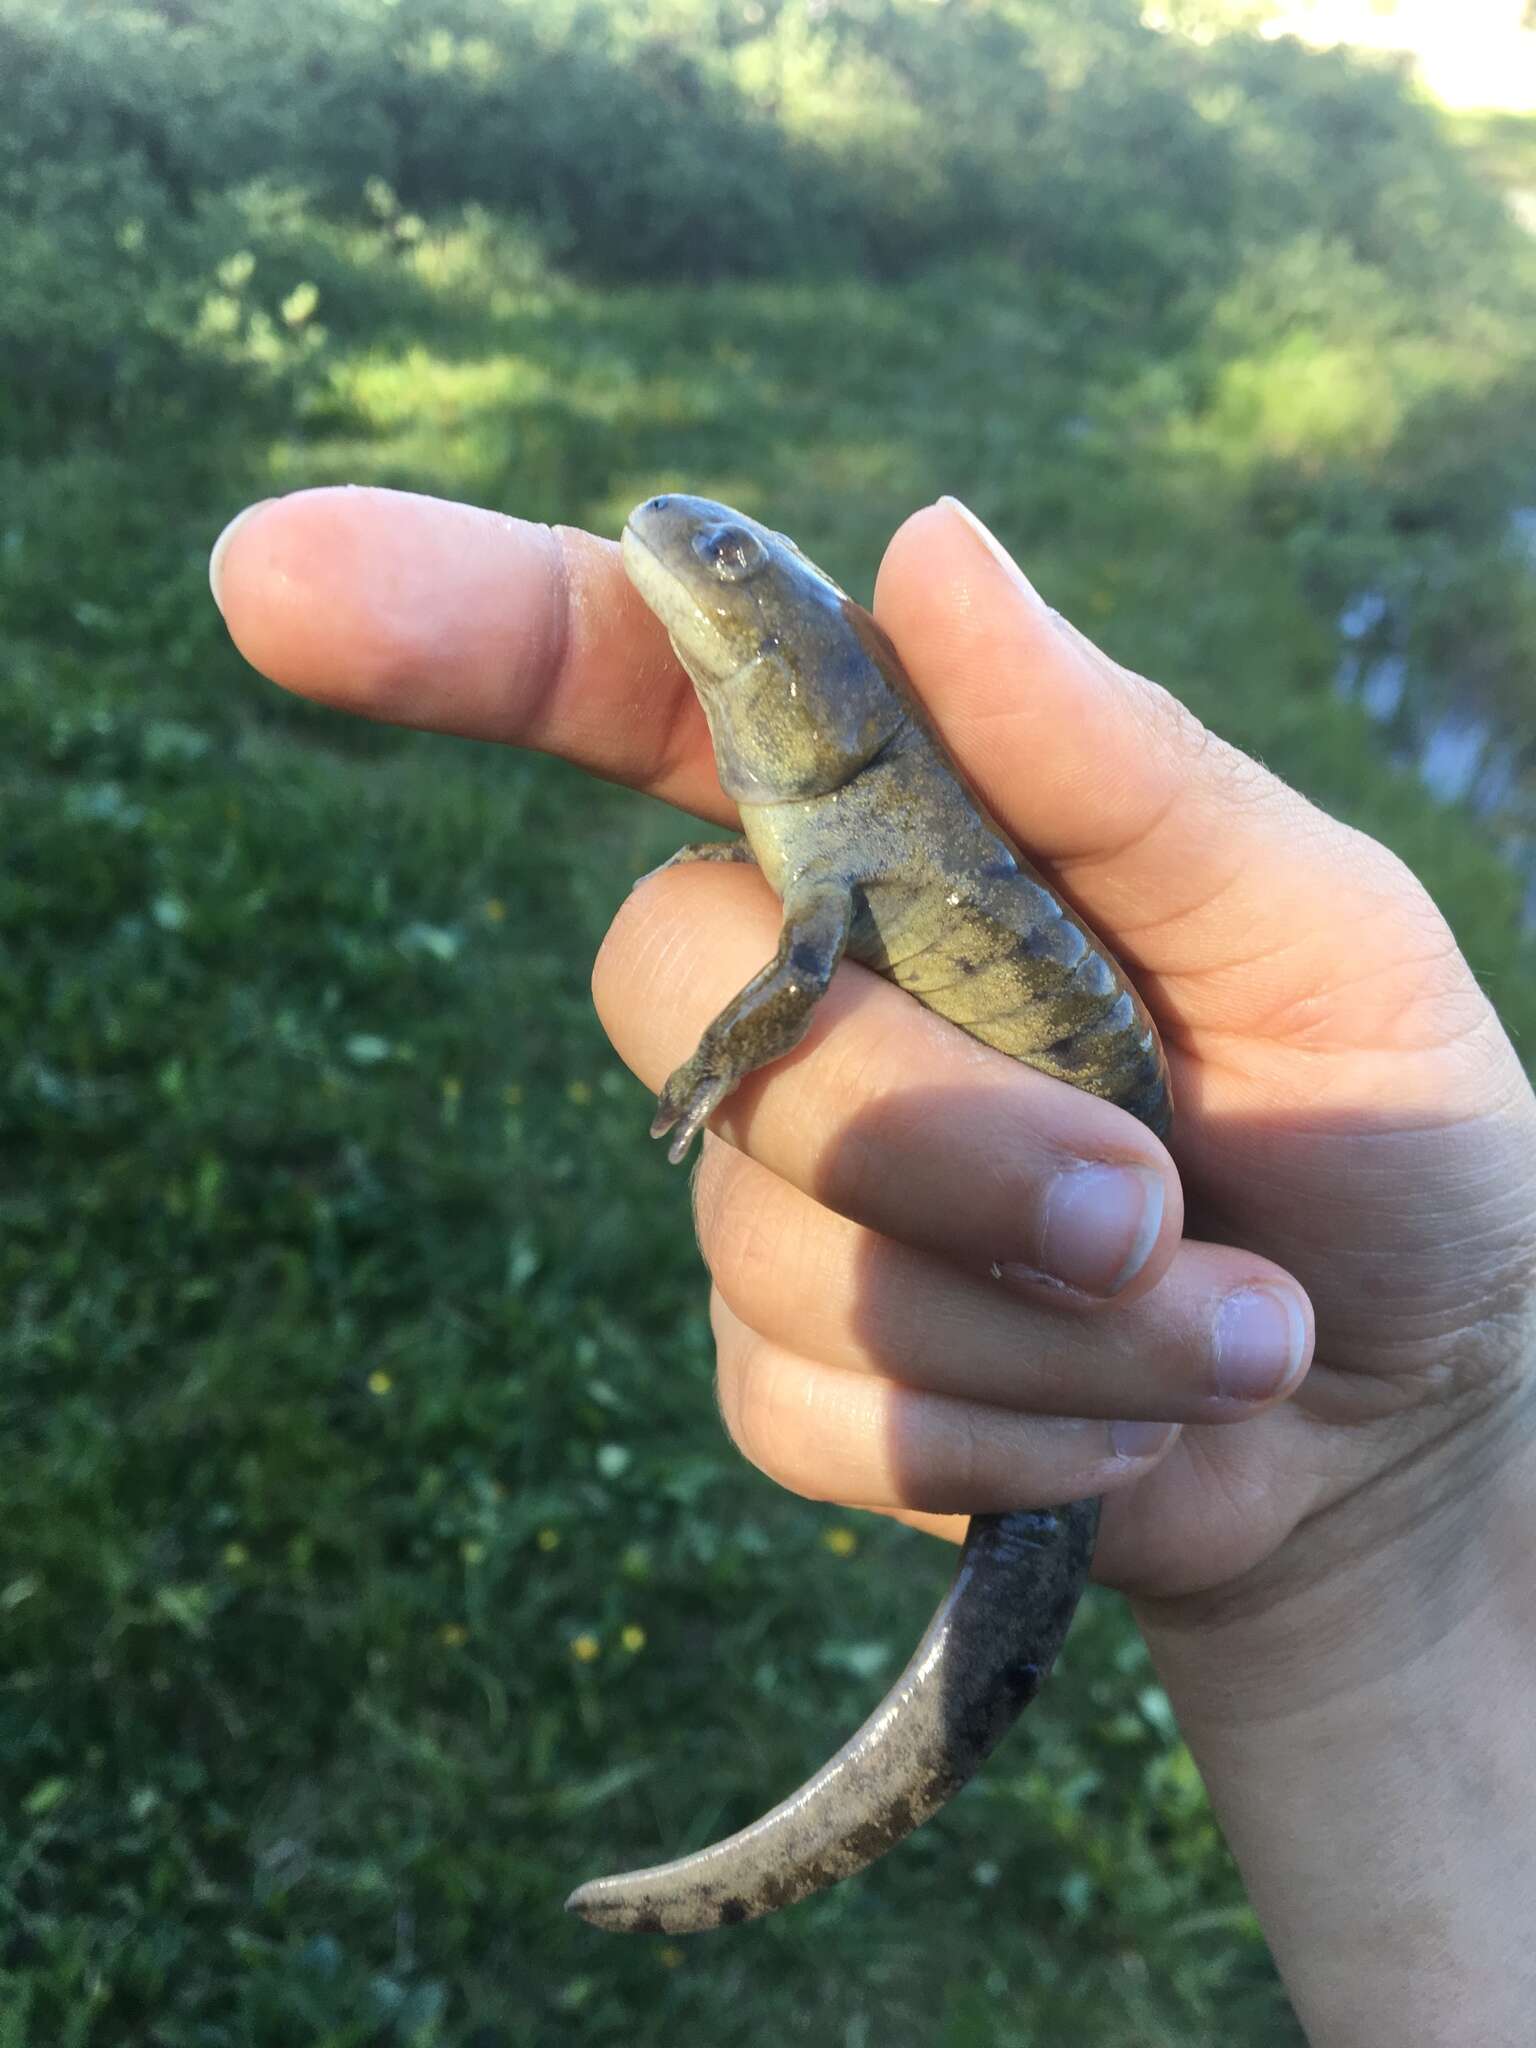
pixel 380 1383
pixel 840 1541
pixel 585 1647
pixel 632 1636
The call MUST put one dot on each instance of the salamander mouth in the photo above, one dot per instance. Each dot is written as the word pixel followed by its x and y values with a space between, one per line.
pixel 657 582
pixel 665 592
pixel 706 640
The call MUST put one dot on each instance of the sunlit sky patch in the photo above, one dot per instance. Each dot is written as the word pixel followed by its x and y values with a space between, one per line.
pixel 1470 53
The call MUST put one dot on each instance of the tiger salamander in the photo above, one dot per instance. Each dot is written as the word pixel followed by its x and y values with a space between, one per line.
pixel 862 825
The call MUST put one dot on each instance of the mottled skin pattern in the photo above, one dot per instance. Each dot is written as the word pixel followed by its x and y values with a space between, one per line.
pixel 876 849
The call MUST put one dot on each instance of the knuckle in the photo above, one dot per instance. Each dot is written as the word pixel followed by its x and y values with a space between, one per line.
pixel 1388 877
pixel 940 1455
pixel 1189 746
pixel 741 1228
pixel 732 1368
pixel 970 1454
pixel 764 1400
pixel 753 1417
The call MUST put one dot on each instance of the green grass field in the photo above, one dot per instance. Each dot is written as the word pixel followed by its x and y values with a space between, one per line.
pixel 374 1566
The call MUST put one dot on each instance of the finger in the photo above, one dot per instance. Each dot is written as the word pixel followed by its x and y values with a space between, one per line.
pixel 846 1436
pixel 1202 866
pixel 1217 1505
pixel 948 1528
pixel 458 620
pixel 1222 1334
pixel 889 1115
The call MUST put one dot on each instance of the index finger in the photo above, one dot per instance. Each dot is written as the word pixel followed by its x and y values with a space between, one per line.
pixel 459 620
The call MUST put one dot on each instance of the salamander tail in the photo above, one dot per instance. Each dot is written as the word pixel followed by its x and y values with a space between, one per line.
pixel 982 1660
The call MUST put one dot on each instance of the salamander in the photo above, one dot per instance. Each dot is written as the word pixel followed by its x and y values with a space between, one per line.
pixel 865 829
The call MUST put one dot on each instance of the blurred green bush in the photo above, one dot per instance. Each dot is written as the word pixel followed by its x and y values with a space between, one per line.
pixel 710 138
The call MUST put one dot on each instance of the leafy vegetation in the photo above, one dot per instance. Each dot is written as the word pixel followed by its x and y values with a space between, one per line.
pixel 373 1566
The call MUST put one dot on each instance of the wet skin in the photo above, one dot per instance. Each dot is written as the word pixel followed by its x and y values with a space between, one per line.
pixel 862 825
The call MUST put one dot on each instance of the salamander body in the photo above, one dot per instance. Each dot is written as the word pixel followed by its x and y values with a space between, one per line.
pixel 866 831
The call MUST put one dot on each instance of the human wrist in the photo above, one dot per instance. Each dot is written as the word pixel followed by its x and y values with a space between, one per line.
pixel 1369 1586
pixel 1367 1739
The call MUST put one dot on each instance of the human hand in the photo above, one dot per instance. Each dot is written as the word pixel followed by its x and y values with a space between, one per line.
pixel 1338 1587
pixel 1343 1086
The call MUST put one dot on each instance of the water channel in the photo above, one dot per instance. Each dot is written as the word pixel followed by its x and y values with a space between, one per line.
pixel 1463 754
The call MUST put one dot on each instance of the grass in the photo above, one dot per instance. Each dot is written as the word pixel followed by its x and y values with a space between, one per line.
pixel 374 1565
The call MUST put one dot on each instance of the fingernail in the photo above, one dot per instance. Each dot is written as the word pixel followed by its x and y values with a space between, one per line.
pixel 221 549
pixel 1101 1223
pixel 1260 1340
pixel 1141 1439
pixel 995 549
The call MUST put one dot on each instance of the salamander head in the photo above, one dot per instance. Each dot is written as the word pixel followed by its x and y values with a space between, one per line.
pixel 780 656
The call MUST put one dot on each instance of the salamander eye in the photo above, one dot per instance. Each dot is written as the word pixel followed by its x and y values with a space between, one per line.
pixel 732 552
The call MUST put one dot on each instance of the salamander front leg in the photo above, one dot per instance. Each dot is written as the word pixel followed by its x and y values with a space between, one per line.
pixel 769 1017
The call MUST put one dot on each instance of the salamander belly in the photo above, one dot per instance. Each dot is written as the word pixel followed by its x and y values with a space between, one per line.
pixel 1020 973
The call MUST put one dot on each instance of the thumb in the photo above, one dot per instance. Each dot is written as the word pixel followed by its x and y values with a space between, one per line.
pixel 1225 890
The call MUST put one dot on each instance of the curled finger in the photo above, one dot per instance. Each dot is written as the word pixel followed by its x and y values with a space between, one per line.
pixel 1224 1332
pixel 848 1436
